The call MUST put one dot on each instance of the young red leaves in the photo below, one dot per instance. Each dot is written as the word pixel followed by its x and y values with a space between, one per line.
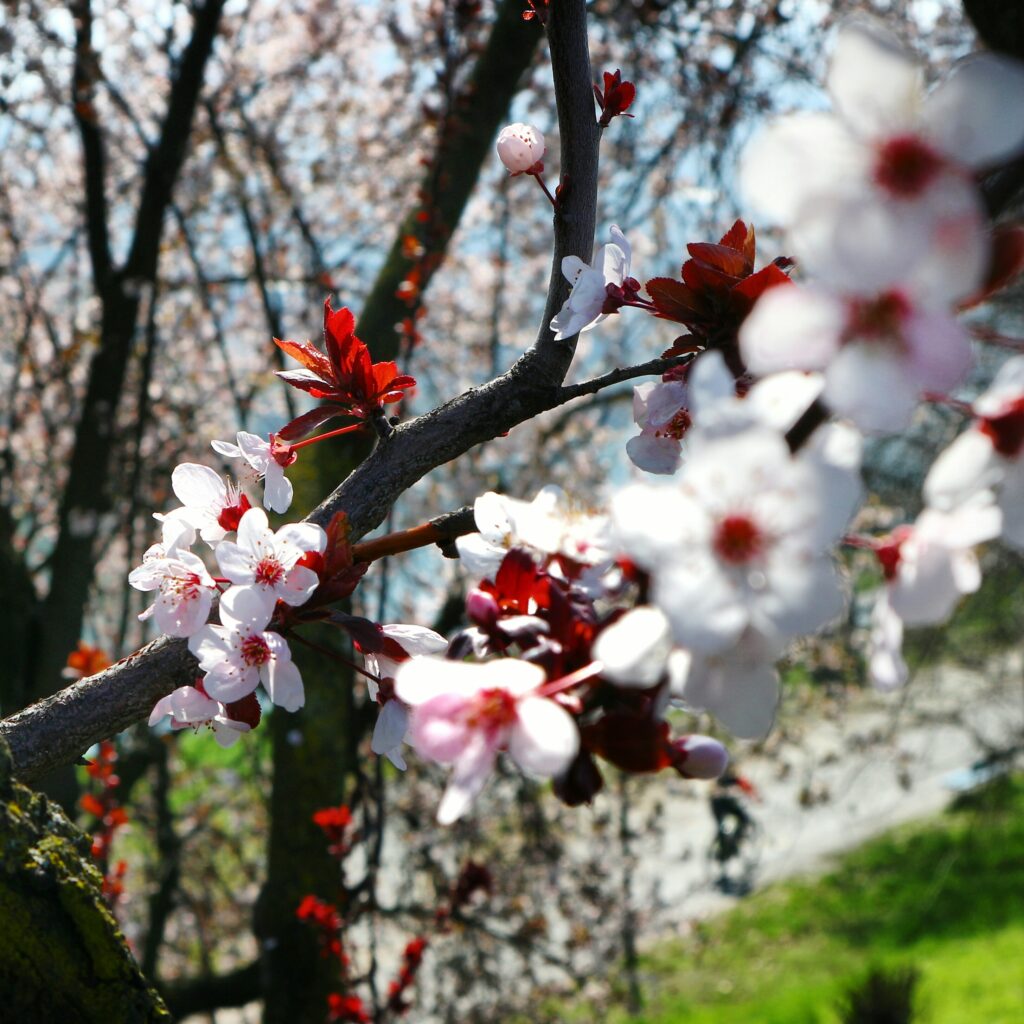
pixel 717 290
pixel 346 380
pixel 616 97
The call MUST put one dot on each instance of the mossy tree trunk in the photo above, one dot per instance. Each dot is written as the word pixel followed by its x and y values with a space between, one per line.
pixel 62 956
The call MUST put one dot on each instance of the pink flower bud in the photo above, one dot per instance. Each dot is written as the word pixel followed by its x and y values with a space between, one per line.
pixel 482 608
pixel 699 757
pixel 521 148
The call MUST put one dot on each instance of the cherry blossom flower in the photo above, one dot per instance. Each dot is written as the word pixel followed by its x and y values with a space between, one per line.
pixel 210 505
pixel 521 149
pixel 265 561
pixel 989 455
pixel 190 707
pixel 404 642
pixel 259 454
pixel 660 411
pixel 239 653
pixel 878 354
pixel 185 588
pixel 584 307
pixel 885 183
pixel 741 543
pixel 463 714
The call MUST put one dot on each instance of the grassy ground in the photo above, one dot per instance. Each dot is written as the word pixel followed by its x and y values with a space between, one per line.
pixel 946 897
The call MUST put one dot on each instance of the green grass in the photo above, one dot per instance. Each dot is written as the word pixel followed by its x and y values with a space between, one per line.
pixel 946 897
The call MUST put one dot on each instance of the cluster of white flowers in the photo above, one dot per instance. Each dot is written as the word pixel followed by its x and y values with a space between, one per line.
pixel 259 568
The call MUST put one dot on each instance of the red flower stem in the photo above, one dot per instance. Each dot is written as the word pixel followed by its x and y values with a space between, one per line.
pixel 336 657
pixel 551 198
pixel 948 400
pixel 350 429
pixel 581 675
pixel 397 542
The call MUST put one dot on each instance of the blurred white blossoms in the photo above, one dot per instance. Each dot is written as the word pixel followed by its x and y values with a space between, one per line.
pixel 583 308
pixel 463 714
pixel 277 488
pixel 189 707
pixel 989 455
pixel 878 353
pixel 404 642
pixel 239 654
pixel 660 411
pixel 521 148
pixel 928 567
pixel 881 192
pixel 265 562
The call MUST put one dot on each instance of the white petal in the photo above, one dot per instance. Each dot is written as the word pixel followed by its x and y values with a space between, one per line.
pixel 1011 501
pixel 634 649
pixel 277 489
pixel 226 449
pixel 246 609
pixel 852 387
pixel 391 727
pixel 304 536
pixel 467 779
pixel 648 521
pixel 544 738
pixel 801 597
pixel 416 640
pixel 255 450
pixel 792 327
pixel 283 682
pixel 298 586
pixel 653 454
pixel 874 84
pixel 177 617
pixel 741 692
pixel 969 465
pixel 254 530
pixel 706 610
pixel 236 563
pixel 886 667
pixel 480 557
pixel 198 485
pixel 228 683
pixel 970 117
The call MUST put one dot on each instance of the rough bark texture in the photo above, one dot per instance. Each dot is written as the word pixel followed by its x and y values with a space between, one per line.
pixel 62 956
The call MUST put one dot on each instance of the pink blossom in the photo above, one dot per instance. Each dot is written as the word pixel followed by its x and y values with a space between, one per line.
pixel 189 707
pixel 521 149
pixel 265 561
pixel 884 186
pixel 277 488
pixel 463 714
pixel 239 653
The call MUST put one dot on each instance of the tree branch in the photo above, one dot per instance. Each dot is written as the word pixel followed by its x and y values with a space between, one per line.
pixel 57 730
pixel 652 368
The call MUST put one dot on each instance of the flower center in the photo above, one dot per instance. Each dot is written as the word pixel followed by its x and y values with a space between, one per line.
pixel 492 710
pixel 1006 431
pixel 269 571
pixel 677 426
pixel 255 651
pixel 888 552
pixel 230 515
pixel 880 318
pixel 905 166
pixel 738 539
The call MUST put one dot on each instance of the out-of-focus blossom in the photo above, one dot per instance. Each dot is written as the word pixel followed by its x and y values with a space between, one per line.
pixel 878 354
pixel 634 650
pixel 883 187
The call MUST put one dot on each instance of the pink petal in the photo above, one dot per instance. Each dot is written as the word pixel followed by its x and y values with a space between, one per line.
pixel 467 779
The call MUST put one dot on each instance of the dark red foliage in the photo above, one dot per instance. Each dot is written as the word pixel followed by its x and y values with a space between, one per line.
pixel 718 289
pixel 336 823
pixel 246 710
pixel 105 807
pixel 615 98
pixel 635 743
pixel 326 919
pixel 581 781
pixel 346 379
pixel 1006 431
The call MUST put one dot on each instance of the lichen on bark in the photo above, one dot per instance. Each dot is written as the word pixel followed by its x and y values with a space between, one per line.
pixel 62 955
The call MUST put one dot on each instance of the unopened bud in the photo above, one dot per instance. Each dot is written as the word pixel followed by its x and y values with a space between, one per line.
pixel 699 757
pixel 521 148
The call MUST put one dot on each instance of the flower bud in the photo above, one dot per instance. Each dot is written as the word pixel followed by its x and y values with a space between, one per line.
pixel 521 148
pixel 699 757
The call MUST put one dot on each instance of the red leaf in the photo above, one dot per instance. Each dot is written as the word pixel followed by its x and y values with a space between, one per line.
pixel 629 742
pixel 309 421
pixel 756 285
pixel 306 380
pixel 673 299
pixel 309 355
